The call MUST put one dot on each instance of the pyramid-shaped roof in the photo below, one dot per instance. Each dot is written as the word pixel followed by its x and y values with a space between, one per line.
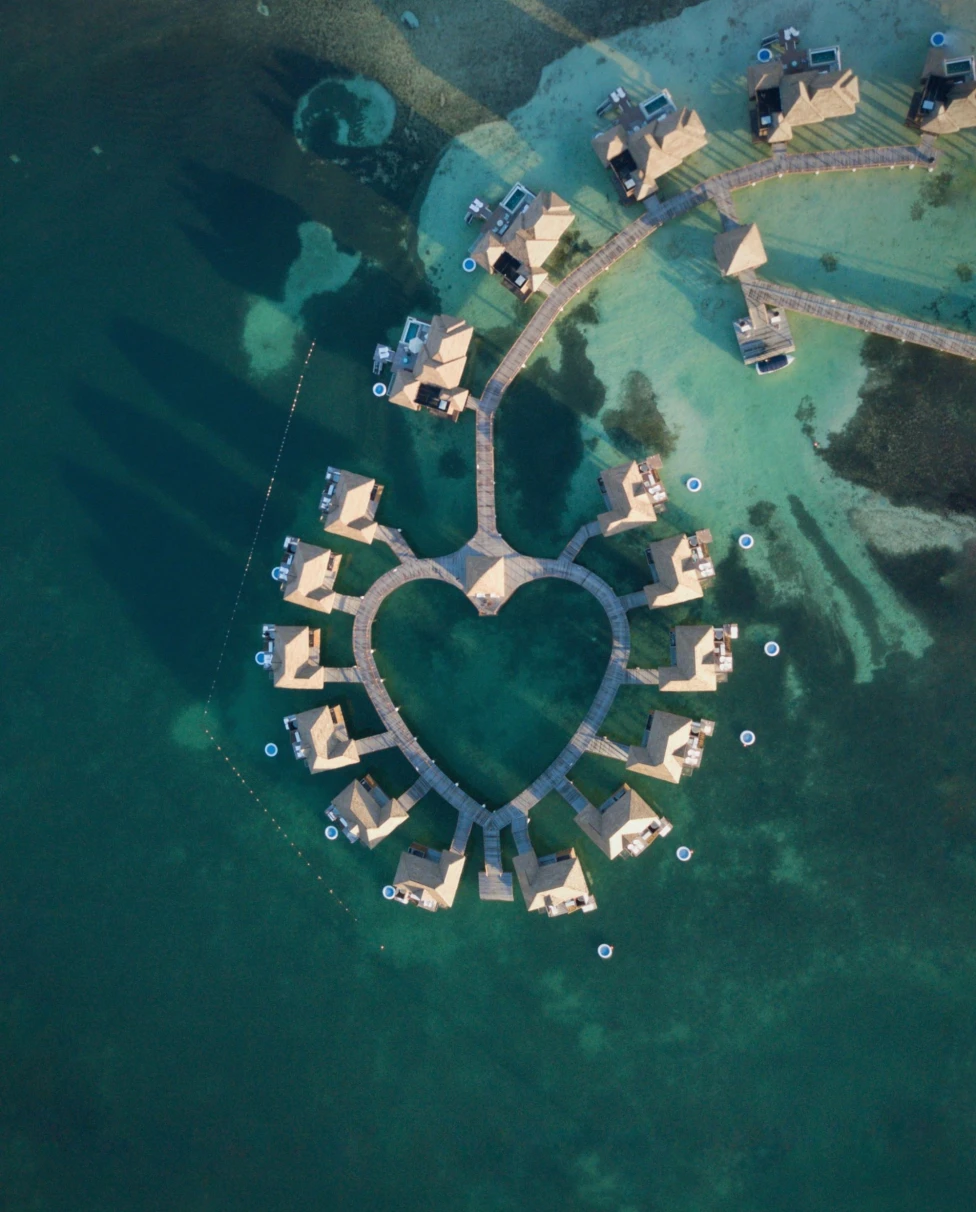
pixel 659 757
pixel 739 249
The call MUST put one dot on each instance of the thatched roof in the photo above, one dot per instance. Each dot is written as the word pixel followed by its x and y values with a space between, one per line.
pixel 324 737
pixel 549 884
pixel 485 576
pixel 657 148
pixel 630 504
pixel 811 97
pixel 441 363
pixel 660 755
pixel 695 667
pixel 352 509
pixel 623 816
pixel 375 814
pixel 531 237
pixel 295 661
pixel 958 114
pixel 678 579
pixel 435 879
pixel 310 580
pixel 739 249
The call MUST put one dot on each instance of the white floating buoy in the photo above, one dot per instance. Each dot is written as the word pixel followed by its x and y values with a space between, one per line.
pixel 694 484
pixel 331 832
pixel 271 749
pixel 389 892
pixel 604 951
pixel 771 648
pixel 747 738
pixel 261 658
pixel 469 265
pixel 379 390
pixel 684 854
pixel 746 541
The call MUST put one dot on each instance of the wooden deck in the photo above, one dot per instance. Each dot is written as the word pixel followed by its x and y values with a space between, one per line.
pixel 867 319
pixel 494 883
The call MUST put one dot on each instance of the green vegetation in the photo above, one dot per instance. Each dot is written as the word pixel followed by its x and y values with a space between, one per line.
pixel 829 262
pixel 638 426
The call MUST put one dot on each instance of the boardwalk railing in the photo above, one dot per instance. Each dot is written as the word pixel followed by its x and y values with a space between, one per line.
pixel 865 318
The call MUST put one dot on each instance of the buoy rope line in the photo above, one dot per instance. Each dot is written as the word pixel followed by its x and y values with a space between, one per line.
pixel 230 624
pixel 257 529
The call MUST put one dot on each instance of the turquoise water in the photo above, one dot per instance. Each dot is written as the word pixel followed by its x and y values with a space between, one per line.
pixel 206 1005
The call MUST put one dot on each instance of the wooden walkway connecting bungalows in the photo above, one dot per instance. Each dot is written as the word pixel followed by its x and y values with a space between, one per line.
pixel 396 542
pixel 579 540
pixel 867 319
pixel 602 746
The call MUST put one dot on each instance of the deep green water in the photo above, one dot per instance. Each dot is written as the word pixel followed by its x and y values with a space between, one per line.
pixel 203 1005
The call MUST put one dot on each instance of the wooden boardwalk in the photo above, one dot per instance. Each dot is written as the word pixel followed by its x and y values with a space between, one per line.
pixel 494 883
pixel 865 318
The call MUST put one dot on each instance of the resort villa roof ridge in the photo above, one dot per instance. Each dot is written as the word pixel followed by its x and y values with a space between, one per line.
pixel 307 575
pixel 672 746
pixel 678 567
pixel 428 878
pixel 633 493
pixel 792 87
pixel 320 739
pixel 293 656
pixel 646 142
pixel 946 102
pixel 519 236
pixel 554 885
pixel 365 813
pixel 625 824
pixel 348 505
pixel 701 657
pixel 428 365
pixel 739 249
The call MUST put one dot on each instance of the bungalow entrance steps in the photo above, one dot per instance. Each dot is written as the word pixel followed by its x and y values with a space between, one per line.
pixel 573 796
pixel 372 744
pixel 396 542
pixel 494 884
pixel 345 603
pixel 631 601
pixel 641 677
pixel 578 541
pixel 603 747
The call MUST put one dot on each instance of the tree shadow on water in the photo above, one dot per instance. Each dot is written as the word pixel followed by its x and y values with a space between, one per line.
pixel 251 233
pixel 152 559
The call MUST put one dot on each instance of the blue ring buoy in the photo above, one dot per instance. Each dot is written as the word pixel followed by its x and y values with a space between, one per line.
pixel 938 38
pixel 389 892
pixel 469 265
pixel 271 749
pixel 747 737
pixel 331 832
pixel 771 648
pixel 683 854
pixel 276 573
pixel 764 55
pixel 379 390
pixel 261 658
pixel 604 951
pixel 694 484
pixel 746 541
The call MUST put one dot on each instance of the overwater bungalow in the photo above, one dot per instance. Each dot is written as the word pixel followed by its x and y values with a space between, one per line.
pixel 428 365
pixel 428 878
pixel 678 568
pixel 701 657
pixel 348 505
pixel 307 575
pixel 646 141
pixel 365 813
pixel 519 236
pixel 739 249
pixel 946 102
pixel 293 657
pixel 672 747
pixel 553 885
pixel 791 87
pixel 624 825
pixel 633 493
pixel 486 582
pixel 320 739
